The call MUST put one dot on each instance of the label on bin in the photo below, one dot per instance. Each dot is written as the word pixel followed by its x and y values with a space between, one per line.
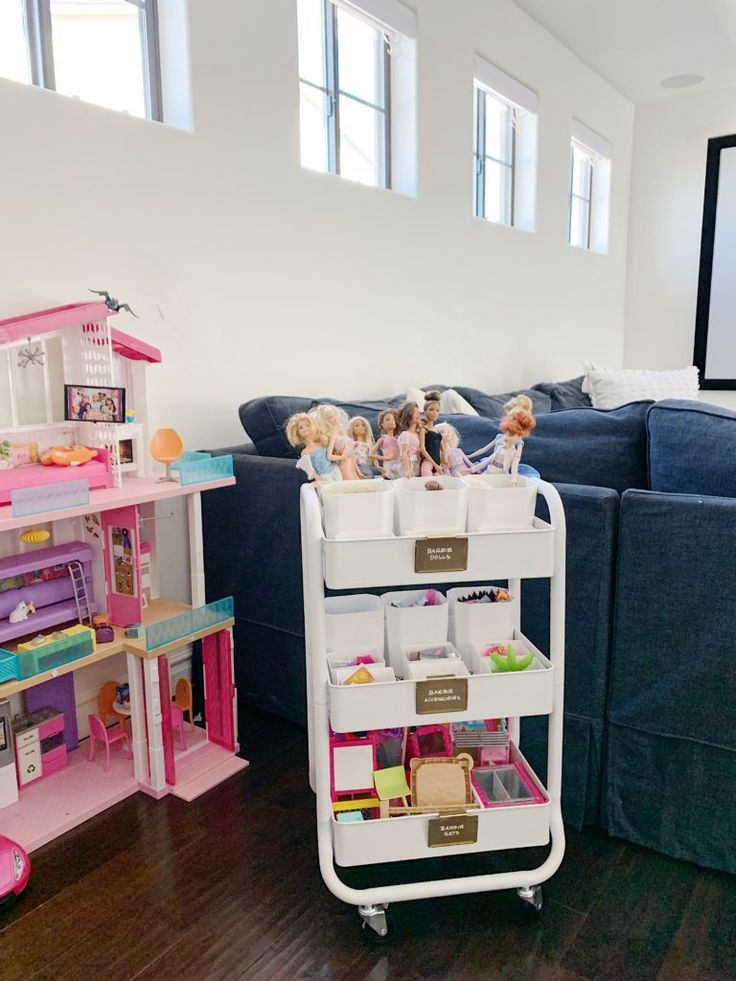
pixel 441 555
pixel 441 695
pixel 457 829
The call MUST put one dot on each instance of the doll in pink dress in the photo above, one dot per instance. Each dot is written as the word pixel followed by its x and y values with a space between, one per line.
pixel 360 432
pixel 333 422
pixel 385 453
pixel 409 421
pixel 457 462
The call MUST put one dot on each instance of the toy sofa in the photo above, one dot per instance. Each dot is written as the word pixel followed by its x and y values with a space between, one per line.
pixel 650 730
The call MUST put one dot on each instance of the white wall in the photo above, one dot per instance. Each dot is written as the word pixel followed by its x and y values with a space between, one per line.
pixel 668 178
pixel 256 277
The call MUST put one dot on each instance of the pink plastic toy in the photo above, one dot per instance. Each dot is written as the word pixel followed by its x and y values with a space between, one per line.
pixel 109 737
pixel 15 868
pixel 429 741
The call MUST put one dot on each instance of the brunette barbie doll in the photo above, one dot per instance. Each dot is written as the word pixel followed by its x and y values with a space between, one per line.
pixel 457 462
pixel 359 430
pixel 385 453
pixel 303 430
pixel 430 441
pixel 507 447
pixel 333 422
pixel 409 422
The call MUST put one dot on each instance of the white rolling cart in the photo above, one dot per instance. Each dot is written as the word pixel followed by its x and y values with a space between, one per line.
pixel 536 551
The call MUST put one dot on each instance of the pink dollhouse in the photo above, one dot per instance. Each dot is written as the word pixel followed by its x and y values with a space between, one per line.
pixel 80 587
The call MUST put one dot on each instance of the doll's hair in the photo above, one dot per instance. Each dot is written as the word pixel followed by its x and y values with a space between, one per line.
pixel 518 423
pixel 519 402
pixel 292 426
pixel 430 397
pixel 330 417
pixel 351 428
pixel 388 412
pixel 404 415
pixel 449 434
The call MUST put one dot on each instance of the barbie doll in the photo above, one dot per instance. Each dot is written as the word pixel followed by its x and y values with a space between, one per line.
pixel 507 447
pixel 385 453
pixel 359 430
pixel 430 441
pixel 409 421
pixel 457 462
pixel 333 422
pixel 303 430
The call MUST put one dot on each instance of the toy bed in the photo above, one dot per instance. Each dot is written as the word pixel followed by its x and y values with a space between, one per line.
pixel 97 472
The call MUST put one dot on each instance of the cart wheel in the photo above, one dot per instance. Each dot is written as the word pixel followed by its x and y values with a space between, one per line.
pixel 531 896
pixel 377 928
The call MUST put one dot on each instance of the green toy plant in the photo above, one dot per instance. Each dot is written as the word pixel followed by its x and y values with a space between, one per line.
pixel 510 662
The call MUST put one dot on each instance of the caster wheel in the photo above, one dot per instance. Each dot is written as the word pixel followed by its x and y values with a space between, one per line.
pixel 531 896
pixel 376 939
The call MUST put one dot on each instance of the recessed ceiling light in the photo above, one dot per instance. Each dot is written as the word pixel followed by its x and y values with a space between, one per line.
pixel 681 81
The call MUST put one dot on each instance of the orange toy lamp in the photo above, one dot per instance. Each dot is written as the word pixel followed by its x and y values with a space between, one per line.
pixel 166 447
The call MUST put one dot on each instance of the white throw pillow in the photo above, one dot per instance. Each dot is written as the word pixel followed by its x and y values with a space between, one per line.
pixel 451 402
pixel 610 387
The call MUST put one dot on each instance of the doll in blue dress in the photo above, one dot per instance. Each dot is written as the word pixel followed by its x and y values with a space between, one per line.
pixel 304 430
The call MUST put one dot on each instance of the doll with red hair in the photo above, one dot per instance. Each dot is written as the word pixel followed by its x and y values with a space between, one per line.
pixel 504 451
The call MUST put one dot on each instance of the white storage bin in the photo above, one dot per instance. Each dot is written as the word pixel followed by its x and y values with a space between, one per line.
pixel 481 664
pixel 354 622
pixel 439 512
pixel 476 622
pixel 357 509
pixel 413 626
pixel 339 666
pixel 400 839
pixel 494 504
pixel 444 667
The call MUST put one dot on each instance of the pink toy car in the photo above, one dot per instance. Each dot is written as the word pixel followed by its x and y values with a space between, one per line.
pixel 15 868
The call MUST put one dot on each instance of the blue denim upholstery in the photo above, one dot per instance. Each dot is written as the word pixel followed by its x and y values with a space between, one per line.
pixel 671 757
pixel 691 448
pixel 565 395
pixel 491 406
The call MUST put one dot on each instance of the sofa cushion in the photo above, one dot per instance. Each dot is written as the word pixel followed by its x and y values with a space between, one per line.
pixel 264 420
pixel 692 448
pixel 603 448
pixel 491 406
pixel 565 395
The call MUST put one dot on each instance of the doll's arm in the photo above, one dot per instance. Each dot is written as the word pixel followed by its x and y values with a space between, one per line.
pixel 515 465
pixel 374 453
pixel 331 454
pixel 482 450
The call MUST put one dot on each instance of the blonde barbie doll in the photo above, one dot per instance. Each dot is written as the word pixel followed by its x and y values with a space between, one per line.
pixel 333 422
pixel 303 430
pixel 359 430
pixel 457 462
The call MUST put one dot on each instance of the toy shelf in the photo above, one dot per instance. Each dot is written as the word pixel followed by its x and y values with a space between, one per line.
pixel 392 704
pixel 135 490
pixel 157 611
pixel 398 839
pixel 524 554
pixel 536 550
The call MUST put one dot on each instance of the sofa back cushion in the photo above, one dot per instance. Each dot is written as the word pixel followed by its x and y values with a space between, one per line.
pixel 692 448
pixel 565 395
pixel 491 406
pixel 578 446
pixel 264 421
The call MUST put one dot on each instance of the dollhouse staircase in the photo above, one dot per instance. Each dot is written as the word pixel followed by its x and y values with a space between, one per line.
pixel 207 766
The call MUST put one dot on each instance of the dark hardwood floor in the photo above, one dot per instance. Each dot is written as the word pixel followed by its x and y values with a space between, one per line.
pixel 228 887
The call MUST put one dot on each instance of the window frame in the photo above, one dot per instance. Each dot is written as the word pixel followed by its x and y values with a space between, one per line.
pixel 39 33
pixel 332 91
pixel 481 156
pixel 592 160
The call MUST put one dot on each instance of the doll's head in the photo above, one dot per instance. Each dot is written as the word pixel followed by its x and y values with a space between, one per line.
pixel 330 418
pixel 388 422
pixel 517 423
pixel 519 402
pixel 431 405
pixel 450 435
pixel 360 430
pixel 408 415
pixel 302 428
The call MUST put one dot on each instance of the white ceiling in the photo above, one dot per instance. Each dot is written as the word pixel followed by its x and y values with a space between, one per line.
pixel 634 44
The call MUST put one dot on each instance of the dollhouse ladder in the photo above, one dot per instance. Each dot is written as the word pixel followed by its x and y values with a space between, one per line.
pixel 81 597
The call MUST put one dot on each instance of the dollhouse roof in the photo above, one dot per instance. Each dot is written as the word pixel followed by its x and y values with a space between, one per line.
pixel 71 315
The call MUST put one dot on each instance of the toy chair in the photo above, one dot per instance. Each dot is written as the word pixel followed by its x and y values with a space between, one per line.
pixel 108 697
pixel 109 737
pixel 166 447
pixel 183 698
pixel 177 722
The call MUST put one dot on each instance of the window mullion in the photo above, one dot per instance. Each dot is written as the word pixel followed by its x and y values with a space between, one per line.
pixel 332 81
pixel 387 112
pixel 514 130
pixel 480 178
pixel 41 49
pixel 148 23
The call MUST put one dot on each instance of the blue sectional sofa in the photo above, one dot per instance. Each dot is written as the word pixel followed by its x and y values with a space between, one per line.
pixel 650 720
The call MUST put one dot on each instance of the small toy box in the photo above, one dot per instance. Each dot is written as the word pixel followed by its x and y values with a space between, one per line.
pixel 352 621
pixel 423 511
pixel 480 613
pixel 354 509
pixel 414 619
pixel 9 666
pixel 494 504
pixel 53 654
